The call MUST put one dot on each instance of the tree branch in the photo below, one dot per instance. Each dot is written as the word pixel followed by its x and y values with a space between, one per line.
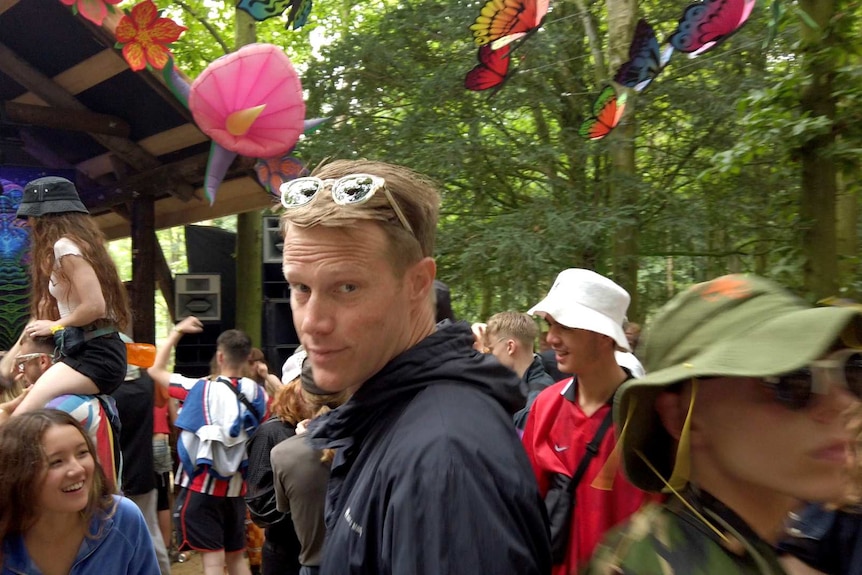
pixel 210 28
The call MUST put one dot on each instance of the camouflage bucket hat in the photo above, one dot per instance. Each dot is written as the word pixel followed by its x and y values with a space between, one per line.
pixel 50 195
pixel 736 326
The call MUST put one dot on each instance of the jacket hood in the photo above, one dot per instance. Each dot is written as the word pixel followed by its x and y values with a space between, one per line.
pixel 444 357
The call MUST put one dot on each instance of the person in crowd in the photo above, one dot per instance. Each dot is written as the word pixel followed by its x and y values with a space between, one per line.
pixel 58 514
pixel 478 331
pixel 219 414
pixel 633 334
pixel 97 414
pixel 281 547
pixel 443 301
pixel 259 372
pixel 509 336
pixel 549 358
pixel 301 473
pixel 135 400
pixel 584 312
pixel 741 415
pixel 428 475
pixel 164 414
pixel 77 295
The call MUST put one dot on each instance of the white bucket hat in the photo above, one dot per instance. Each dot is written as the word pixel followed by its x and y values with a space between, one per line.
pixel 583 299
pixel 292 367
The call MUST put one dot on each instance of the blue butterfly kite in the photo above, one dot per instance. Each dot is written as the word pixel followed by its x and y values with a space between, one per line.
pixel 646 59
pixel 262 10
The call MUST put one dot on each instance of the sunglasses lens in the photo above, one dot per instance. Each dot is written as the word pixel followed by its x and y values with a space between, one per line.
pixel 793 389
pixel 299 192
pixel 355 189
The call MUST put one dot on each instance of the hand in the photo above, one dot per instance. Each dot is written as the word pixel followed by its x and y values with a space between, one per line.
pixel 40 328
pixel 261 369
pixel 9 407
pixel 189 324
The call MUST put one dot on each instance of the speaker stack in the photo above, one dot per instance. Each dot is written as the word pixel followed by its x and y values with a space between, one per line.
pixel 279 336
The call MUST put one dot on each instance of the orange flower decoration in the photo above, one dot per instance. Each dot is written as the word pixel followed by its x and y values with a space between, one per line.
pixel 93 10
pixel 145 36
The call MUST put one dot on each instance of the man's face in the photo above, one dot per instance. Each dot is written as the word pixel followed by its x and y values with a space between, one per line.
pixel 352 314
pixel 34 362
pixel 498 345
pixel 745 441
pixel 576 349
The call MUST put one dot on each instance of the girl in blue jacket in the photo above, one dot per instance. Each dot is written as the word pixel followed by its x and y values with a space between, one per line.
pixel 58 515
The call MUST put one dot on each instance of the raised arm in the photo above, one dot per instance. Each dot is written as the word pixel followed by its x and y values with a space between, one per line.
pixel 159 370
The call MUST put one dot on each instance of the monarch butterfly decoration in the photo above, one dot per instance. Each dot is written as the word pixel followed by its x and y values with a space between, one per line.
pixel 646 59
pixel 707 23
pixel 491 71
pixel 608 110
pixel 501 22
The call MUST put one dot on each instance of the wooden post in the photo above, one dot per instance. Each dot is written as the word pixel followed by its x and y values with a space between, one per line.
pixel 249 236
pixel 143 293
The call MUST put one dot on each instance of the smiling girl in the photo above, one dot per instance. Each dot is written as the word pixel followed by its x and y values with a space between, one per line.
pixel 58 516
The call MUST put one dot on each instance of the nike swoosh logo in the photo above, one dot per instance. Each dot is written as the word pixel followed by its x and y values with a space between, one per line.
pixel 557 448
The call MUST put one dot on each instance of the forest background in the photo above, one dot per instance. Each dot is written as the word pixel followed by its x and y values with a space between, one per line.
pixel 744 159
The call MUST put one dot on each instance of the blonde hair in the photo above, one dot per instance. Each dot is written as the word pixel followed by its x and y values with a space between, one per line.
pixel 514 324
pixel 415 195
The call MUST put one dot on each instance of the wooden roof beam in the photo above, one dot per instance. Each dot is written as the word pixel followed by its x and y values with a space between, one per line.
pixel 32 79
pixel 62 119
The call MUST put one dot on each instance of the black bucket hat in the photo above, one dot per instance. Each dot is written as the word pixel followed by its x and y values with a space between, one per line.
pixel 50 195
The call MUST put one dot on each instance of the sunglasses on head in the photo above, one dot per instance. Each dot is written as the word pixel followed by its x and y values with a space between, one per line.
pixel 796 389
pixel 351 190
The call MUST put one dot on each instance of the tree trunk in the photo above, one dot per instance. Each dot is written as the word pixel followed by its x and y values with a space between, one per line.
pixel 819 190
pixel 622 16
pixel 249 236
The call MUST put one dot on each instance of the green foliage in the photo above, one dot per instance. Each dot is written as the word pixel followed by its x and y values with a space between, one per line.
pixel 717 139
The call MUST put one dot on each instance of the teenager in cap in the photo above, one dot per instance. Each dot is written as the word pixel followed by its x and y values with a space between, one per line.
pixel 739 417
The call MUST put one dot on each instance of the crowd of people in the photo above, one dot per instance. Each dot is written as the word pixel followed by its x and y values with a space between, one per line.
pixel 397 440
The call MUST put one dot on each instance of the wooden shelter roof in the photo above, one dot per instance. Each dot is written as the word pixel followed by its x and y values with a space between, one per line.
pixel 68 100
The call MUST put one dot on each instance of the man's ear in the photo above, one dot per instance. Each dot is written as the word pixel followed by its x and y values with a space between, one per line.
pixel 420 279
pixel 672 409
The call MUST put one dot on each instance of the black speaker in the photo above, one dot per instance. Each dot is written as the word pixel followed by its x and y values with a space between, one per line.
pixel 278 327
pixel 277 355
pixel 195 351
pixel 274 284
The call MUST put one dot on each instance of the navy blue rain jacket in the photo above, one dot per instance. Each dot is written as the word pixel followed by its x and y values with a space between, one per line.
pixel 429 476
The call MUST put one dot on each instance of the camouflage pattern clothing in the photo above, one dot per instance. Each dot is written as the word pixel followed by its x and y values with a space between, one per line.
pixel 670 539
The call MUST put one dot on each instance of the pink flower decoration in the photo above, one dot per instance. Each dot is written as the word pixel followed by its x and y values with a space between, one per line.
pixel 250 102
pixel 93 10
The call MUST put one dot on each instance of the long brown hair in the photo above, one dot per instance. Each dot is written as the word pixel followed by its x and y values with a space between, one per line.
pixel 24 465
pixel 81 229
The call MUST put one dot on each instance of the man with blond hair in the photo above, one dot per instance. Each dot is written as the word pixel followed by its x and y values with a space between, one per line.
pixel 510 337
pixel 428 475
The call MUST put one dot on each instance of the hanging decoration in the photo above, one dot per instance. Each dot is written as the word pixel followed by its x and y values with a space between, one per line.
pixel 608 110
pixel 646 59
pixel 501 22
pixel 707 23
pixel 145 37
pixel 491 71
pixel 248 102
pixel 93 10
pixel 262 10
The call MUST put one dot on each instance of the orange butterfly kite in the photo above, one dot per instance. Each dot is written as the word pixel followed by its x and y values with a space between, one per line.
pixel 501 22
pixel 607 112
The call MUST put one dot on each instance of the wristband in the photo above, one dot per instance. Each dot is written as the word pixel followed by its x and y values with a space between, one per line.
pixel 175 329
pixel 57 328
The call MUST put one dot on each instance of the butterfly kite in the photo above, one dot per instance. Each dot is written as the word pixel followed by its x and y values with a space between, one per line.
pixel 706 24
pixel 491 71
pixel 262 10
pixel 607 112
pixel 646 59
pixel 501 22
